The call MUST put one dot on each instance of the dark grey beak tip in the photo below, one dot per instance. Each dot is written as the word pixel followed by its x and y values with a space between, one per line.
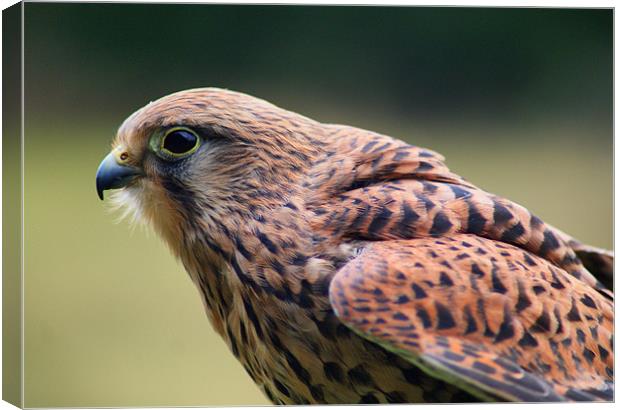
pixel 112 175
pixel 99 192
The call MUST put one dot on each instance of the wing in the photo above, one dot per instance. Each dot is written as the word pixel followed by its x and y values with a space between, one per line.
pixel 600 262
pixel 370 186
pixel 489 317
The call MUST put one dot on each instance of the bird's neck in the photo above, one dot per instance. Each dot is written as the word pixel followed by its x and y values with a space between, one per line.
pixel 269 260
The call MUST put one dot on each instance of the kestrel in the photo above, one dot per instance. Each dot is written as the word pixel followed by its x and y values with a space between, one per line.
pixel 345 266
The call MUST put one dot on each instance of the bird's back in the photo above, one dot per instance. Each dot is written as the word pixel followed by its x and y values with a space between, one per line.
pixel 385 194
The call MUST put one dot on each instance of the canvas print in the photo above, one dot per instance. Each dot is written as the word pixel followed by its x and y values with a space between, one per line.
pixel 215 205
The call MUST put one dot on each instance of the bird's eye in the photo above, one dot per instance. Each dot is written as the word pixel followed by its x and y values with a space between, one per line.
pixel 179 142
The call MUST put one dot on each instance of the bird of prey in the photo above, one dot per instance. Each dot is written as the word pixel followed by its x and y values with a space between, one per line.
pixel 345 266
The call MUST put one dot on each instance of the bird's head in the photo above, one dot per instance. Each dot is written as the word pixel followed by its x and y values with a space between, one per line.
pixel 206 157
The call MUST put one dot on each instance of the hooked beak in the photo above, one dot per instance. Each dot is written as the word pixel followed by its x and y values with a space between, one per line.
pixel 112 175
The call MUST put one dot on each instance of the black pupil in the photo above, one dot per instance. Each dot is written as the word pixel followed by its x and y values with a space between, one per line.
pixel 179 142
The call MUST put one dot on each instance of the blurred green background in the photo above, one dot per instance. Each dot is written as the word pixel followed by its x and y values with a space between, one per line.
pixel 518 100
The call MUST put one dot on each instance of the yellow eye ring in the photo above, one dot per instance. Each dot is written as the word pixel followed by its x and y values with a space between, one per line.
pixel 179 142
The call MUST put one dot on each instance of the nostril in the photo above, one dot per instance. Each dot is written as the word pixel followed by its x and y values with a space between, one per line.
pixel 124 156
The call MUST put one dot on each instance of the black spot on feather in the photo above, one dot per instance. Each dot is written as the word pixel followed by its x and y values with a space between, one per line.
pixel 588 354
pixel 317 393
pixel 550 243
pixel 362 214
pixel 408 219
pixel 459 192
pixel 424 166
pixel 471 322
pixel 573 315
pixel 241 248
pixel 379 221
pixel 511 235
pixel 299 259
pixel 424 317
pixel 501 214
pixel 271 247
pixel 588 301
pixel 281 388
pixel 359 376
pixel 441 224
pixel 402 299
pixel 527 340
pixel 476 270
pixel 506 329
pixel 233 342
pixel 444 317
pixel 251 314
pixel 604 353
pixel 475 220
pixel 418 291
pixel 444 280
pixel 543 323
pixel 369 399
pixel 400 316
pixel 400 155
pixel 369 145
pixel 301 373
pixel 333 371
pixel 581 337
pixel 528 259
pixel 429 188
pixel 277 266
pixel 498 286
pixel 523 302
